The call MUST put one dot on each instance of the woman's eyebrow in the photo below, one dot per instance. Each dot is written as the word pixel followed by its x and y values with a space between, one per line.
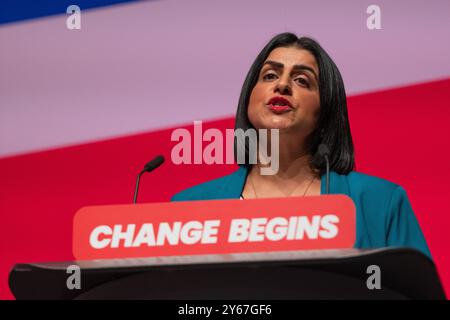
pixel 297 67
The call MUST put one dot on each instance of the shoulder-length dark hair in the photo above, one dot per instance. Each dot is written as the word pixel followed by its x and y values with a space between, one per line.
pixel 333 127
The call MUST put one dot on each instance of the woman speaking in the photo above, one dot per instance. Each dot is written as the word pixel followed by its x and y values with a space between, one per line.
pixel 295 87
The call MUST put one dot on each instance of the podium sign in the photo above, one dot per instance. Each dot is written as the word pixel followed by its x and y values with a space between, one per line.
pixel 214 227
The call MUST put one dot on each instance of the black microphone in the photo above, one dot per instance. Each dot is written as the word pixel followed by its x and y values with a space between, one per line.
pixel 324 153
pixel 152 165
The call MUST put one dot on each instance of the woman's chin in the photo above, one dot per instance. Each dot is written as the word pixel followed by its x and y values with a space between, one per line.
pixel 277 123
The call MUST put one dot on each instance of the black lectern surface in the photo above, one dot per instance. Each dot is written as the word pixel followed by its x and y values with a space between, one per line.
pixel 325 274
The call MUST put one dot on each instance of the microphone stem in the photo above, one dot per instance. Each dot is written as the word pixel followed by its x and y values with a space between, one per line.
pixel 328 174
pixel 136 190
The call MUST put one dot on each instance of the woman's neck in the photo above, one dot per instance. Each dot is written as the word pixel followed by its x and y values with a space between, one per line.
pixel 292 177
pixel 293 162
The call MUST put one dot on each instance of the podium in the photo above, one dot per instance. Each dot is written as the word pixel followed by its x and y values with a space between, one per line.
pixel 227 249
pixel 313 274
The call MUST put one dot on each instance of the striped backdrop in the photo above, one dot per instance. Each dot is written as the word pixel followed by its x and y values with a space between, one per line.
pixel 81 111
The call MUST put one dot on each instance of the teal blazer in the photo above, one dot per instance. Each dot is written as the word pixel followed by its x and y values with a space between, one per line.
pixel 384 217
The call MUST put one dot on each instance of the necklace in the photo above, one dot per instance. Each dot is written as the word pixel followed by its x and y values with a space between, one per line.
pixel 309 185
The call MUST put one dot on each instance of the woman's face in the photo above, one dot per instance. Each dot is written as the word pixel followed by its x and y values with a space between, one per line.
pixel 286 95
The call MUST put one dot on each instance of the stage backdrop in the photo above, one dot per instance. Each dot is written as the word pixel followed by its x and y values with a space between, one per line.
pixel 81 111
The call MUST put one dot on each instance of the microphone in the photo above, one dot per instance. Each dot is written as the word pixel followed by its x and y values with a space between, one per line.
pixel 324 152
pixel 152 165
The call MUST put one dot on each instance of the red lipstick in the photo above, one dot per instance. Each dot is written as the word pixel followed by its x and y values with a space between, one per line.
pixel 279 105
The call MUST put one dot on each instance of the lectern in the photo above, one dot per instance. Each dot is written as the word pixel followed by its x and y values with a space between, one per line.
pixel 322 274
pixel 286 248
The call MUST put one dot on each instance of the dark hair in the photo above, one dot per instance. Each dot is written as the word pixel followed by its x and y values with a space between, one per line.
pixel 333 127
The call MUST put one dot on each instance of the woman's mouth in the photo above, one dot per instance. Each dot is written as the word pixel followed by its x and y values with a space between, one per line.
pixel 279 105
pixel 279 109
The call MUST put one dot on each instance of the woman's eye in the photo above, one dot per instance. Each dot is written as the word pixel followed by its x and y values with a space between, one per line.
pixel 269 76
pixel 302 82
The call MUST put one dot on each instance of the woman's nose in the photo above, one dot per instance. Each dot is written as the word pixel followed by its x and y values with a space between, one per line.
pixel 283 86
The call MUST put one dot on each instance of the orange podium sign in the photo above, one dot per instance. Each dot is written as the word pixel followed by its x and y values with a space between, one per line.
pixel 214 227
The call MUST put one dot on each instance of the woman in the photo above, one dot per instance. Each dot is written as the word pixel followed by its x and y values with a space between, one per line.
pixel 295 87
